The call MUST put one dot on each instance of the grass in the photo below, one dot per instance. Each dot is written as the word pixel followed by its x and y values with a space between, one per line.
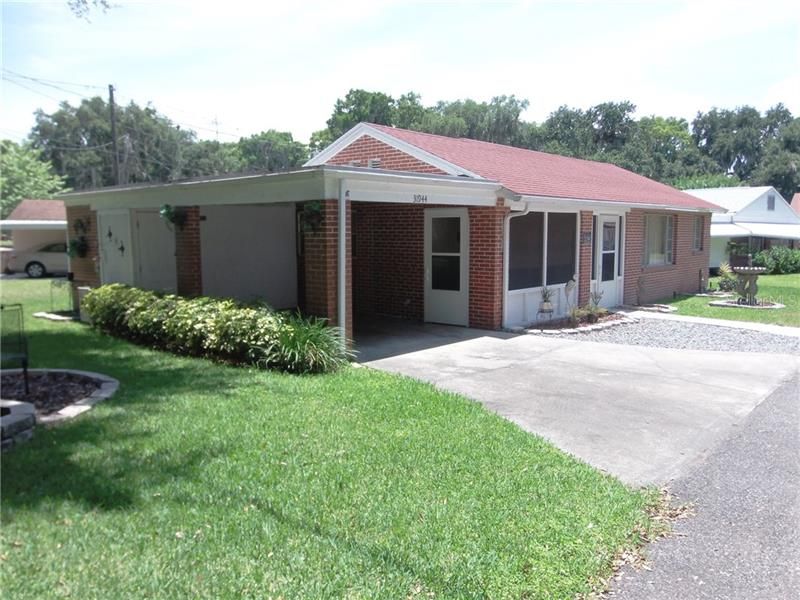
pixel 779 288
pixel 201 480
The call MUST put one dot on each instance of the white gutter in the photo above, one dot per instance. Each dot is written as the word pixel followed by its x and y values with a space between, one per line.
pixel 341 259
pixel 10 224
pixel 506 250
pixel 578 202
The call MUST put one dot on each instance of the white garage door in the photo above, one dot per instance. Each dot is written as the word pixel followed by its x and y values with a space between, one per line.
pixel 155 253
pixel 249 253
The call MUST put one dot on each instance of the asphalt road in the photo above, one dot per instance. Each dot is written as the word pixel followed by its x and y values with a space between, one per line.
pixel 744 542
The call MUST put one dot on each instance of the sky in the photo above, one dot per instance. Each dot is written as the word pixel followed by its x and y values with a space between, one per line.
pixel 230 68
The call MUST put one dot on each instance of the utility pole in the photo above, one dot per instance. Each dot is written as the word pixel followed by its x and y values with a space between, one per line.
pixel 111 110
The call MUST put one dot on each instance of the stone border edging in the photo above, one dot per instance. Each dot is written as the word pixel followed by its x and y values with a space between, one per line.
pixel 108 387
pixel 728 304
pixel 625 320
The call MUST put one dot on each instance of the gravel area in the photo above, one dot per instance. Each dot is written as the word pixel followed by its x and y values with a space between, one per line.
pixel 692 336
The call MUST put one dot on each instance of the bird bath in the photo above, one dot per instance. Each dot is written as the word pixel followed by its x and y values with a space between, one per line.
pixel 747 283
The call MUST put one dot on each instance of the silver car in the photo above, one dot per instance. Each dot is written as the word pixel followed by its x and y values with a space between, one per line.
pixel 49 259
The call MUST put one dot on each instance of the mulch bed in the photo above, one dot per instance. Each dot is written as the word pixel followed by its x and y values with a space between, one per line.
pixel 49 392
pixel 567 324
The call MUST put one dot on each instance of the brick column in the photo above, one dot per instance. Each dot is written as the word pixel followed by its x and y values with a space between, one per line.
pixel 82 221
pixel 188 261
pixel 486 242
pixel 321 262
pixel 585 258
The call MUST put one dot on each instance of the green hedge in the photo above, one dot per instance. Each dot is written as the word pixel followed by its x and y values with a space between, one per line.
pixel 219 329
pixel 778 260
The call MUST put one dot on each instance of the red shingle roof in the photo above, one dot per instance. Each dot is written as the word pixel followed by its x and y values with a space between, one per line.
pixel 39 210
pixel 795 203
pixel 531 173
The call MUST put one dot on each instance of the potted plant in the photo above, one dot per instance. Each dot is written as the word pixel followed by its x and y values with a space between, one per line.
pixel 78 247
pixel 547 300
pixel 175 216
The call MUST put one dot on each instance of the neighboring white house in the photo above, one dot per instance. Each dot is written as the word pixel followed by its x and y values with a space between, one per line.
pixel 758 217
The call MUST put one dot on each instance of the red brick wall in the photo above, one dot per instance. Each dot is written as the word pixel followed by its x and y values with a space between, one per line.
pixel 388 260
pixel 585 258
pixel 649 284
pixel 320 254
pixel 86 270
pixel 187 254
pixel 486 226
pixel 367 147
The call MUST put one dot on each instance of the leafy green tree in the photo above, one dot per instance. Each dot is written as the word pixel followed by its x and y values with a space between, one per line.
pixel 780 166
pixel 569 132
pixel 409 112
pixel 361 105
pixel 23 174
pixel 612 125
pixel 77 140
pixel 212 158
pixel 732 138
pixel 272 151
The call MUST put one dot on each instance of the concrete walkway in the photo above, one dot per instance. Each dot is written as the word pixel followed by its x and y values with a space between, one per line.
pixel 744 540
pixel 646 415
pixel 764 327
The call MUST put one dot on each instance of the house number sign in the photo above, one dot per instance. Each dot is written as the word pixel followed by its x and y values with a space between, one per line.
pixel 419 199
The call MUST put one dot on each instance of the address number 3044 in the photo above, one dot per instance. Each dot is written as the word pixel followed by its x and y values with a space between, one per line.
pixel 420 199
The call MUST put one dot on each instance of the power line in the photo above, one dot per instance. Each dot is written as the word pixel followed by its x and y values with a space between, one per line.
pixel 42 80
pixel 30 89
pixel 50 85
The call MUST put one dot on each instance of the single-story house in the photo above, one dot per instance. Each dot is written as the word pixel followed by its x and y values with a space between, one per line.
pixel 392 222
pixel 755 217
pixel 34 224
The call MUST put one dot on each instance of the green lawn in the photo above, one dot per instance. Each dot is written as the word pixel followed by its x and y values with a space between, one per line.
pixel 201 480
pixel 780 288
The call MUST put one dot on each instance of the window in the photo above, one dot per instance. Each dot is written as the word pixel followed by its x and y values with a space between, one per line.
pixel 55 248
pixel 771 202
pixel 530 264
pixel 699 226
pixel 526 251
pixel 561 231
pixel 658 240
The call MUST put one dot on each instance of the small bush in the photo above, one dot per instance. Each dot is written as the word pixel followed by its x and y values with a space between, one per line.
pixel 727 278
pixel 778 260
pixel 219 329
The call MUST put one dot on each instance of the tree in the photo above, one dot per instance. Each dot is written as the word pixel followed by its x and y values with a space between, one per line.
pixel 733 138
pixel 780 166
pixel 77 140
pixel 82 8
pixel 272 151
pixel 612 124
pixel 361 106
pixel 23 174
pixel 569 132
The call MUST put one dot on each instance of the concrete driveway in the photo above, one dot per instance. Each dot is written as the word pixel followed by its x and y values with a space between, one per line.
pixel 645 415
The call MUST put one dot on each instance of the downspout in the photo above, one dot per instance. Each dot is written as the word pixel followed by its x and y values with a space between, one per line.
pixel 341 258
pixel 506 250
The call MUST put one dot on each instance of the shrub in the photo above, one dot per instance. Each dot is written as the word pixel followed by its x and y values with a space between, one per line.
pixel 778 260
pixel 220 329
pixel 727 278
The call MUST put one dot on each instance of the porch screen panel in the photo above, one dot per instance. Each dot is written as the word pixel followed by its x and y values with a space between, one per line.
pixel 526 251
pixel 561 231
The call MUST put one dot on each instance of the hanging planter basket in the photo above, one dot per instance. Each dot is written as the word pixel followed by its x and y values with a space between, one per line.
pixel 173 216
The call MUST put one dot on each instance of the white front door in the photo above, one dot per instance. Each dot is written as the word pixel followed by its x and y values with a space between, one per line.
pixel 447 266
pixel 155 253
pixel 607 250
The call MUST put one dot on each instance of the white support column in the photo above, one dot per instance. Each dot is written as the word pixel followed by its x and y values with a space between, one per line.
pixel 341 260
